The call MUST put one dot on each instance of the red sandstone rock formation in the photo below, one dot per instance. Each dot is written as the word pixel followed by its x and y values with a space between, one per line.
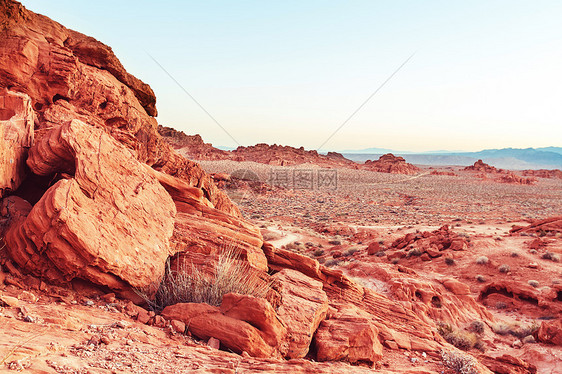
pixel 550 332
pixel 389 163
pixel 115 200
pixel 16 136
pixel 192 146
pixel 502 176
pixel 511 177
pixel 547 225
pixel 431 243
pixel 279 155
pixel 543 173
pixel 438 172
pixel 482 167
pixel 107 221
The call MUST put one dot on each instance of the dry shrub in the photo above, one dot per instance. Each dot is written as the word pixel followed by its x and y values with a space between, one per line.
pixel 504 268
pixel 551 256
pixel 477 326
pixel 318 252
pixel 459 362
pixel 460 339
pixel 189 284
pixel 533 283
pixel 482 260
pixel 332 262
pixel 516 330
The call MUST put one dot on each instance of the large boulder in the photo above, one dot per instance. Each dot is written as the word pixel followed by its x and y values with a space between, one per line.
pixel 242 324
pixel 16 136
pixel 550 332
pixel 105 220
pixel 301 307
pixel 348 336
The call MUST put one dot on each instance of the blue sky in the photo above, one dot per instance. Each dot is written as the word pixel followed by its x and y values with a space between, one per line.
pixel 485 74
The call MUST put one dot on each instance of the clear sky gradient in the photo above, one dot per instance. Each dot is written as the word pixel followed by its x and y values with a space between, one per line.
pixel 485 74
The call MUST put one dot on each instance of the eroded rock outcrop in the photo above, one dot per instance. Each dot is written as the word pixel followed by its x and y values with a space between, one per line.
pixel 69 75
pixel 302 306
pixel 389 163
pixel 482 167
pixel 97 150
pixel 242 324
pixel 548 225
pixel 347 335
pixel 16 136
pixel 105 220
pixel 192 146
pixel 500 175
pixel 550 332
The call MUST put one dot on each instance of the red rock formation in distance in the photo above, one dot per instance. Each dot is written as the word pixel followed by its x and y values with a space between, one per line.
pixel 389 163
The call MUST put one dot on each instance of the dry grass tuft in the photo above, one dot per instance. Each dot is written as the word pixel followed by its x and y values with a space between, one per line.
pixel 190 284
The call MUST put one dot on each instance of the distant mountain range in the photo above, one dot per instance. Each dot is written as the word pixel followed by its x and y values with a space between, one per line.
pixel 506 158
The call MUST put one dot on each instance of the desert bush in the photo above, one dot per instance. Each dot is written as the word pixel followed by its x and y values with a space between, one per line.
pixel 414 252
pixel 524 331
pixel 504 268
pixel 477 327
pixel 318 252
pixel 533 283
pixel 459 362
pixel 380 254
pixel 332 262
pixel 460 339
pixel 480 278
pixel 514 254
pixel 395 261
pixel 515 329
pixel 449 261
pixel 533 251
pixel 189 284
pixel 482 260
pixel 271 235
pixel 551 256
pixel 501 305
pixel 350 252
